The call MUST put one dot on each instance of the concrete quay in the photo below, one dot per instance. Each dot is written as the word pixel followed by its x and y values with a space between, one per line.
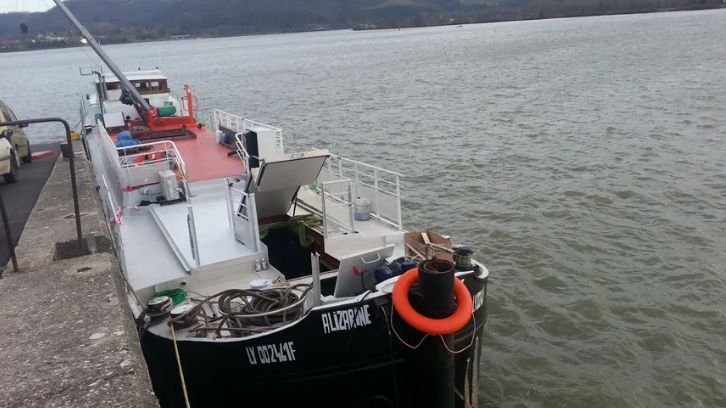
pixel 66 336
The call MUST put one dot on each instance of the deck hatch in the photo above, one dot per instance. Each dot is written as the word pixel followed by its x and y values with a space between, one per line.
pixel 279 179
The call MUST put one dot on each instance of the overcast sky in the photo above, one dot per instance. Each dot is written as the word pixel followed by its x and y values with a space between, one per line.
pixel 7 6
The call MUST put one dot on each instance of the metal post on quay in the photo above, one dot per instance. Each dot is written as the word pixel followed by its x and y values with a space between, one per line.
pixel 8 235
pixel 74 187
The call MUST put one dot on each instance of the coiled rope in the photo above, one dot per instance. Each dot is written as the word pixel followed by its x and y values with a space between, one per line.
pixel 249 311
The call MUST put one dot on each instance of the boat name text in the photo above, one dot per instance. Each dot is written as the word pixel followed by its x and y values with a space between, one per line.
pixel 342 320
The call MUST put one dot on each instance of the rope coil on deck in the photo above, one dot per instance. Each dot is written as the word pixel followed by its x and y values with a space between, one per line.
pixel 248 311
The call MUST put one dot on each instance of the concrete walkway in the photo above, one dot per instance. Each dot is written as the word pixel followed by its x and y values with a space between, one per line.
pixel 66 336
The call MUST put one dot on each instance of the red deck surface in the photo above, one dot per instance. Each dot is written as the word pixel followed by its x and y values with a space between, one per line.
pixel 204 158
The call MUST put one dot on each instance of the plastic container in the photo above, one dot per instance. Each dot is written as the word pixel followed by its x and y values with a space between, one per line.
pixel 362 209
pixel 260 283
pixel 165 111
pixel 177 295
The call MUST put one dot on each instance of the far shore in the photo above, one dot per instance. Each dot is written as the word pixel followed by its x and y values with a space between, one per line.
pixel 358 27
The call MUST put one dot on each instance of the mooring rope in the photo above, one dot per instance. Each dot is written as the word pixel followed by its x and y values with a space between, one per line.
pixel 473 336
pixel 181 371
pixel 393 328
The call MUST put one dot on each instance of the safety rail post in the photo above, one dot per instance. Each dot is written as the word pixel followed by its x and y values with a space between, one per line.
pixel 193 235
pixel 322 209
pixel 316 290
pixel 227 199
pixel 375 188
pixel 398 203
pixel 8 235
pixel 357 179
pixel 112 202
pixel 252 220
pixel 350 208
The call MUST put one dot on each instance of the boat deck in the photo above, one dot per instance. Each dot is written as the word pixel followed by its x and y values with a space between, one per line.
pixel 216 237
pixel 148 259
pixel 156 241
pixel 205 159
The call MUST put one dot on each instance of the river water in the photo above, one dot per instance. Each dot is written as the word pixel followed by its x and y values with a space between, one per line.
pixel 583 159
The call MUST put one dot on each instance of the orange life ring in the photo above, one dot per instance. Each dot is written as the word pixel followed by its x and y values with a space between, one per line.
pixel 424 324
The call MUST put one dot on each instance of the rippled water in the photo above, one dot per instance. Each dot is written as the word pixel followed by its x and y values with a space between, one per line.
pixel 582 158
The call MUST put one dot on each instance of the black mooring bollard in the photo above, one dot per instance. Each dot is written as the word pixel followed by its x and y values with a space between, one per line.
pixel 436 279
pixel 435 364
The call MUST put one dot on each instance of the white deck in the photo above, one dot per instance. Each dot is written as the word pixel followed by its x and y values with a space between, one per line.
pixel 157 249
pixel 215 236
pixel 148 259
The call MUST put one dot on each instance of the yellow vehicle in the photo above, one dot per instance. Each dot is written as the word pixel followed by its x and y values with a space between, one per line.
pixel 14 146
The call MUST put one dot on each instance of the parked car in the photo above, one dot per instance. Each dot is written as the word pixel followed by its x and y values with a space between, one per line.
pixel 18 140
pixel 9 163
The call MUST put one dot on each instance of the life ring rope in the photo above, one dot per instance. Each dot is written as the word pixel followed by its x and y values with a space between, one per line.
pixel 448 325
pixel 425 335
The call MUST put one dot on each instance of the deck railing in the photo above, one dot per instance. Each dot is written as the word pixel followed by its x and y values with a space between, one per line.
pixel 114 207
pixel 243 211
pixel 124 171
pixel 337 207
pixel 241 125
pixel 142 168
pixel 107 170
pixel 380 186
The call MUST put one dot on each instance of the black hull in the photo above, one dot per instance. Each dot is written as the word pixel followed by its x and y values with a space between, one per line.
pixel 339 357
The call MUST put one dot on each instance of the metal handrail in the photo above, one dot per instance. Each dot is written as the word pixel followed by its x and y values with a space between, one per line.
pixel 168 148
pixel 336 201
pixel 249 123
pixel 242 152
pixel 115 208
pixel 382 182
pixel 177 155
pixel 360 163
pixel 72 168
pixel 249 215
pixel 239 125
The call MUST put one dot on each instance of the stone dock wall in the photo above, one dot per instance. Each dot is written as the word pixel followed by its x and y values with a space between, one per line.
pixel 67 338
